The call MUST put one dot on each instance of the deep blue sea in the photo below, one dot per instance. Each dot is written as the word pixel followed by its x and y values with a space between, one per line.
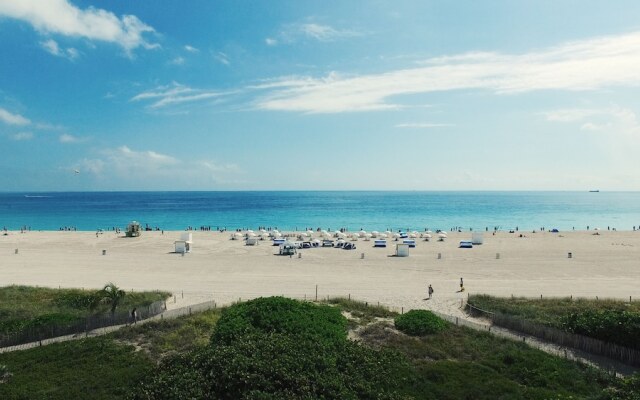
pixel 376 210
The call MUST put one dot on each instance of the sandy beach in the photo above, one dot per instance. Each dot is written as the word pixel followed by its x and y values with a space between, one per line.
pixel 605 265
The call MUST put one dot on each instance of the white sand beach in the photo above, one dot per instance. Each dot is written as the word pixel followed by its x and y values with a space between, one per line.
pixel 605 265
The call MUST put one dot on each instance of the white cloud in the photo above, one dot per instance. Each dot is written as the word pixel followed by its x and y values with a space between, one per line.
pixel 583 65
pixel 142 169
pixel 191 49
pixel 222 58
pixel 67 138
pixel 13 119
pixel 63 18
pixel 22 136
pixel 177 61
pixel 423 125
pixel 324 33
pixel 175 93
pixel 613 120
pixel 271 41
pixel 52 47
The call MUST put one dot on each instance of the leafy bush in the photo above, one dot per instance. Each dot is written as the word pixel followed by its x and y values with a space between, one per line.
pixel 275 348
pixel 419 323
pixel 281 315
pixel 614 326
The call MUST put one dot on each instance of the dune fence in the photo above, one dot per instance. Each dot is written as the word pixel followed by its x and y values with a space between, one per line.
pixel 80 325
pixel 559 337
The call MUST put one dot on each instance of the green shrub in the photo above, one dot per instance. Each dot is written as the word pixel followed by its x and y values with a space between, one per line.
pixel 419 323
pixel 614 326
pixel 281 315
pixel 277 348
pixel 280 366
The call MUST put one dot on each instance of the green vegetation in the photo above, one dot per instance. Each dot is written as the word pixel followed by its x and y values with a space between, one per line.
pixel 362 313
pixel 612 321
pixel 170 336
pixel 278 348
pixel 419 323
pixel 96 368
pixel 24 308
pixel 275 348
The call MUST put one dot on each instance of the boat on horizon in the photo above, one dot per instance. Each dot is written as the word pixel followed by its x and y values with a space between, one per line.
pixel 594 191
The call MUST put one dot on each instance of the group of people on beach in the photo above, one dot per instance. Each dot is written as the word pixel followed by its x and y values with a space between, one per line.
pixel 430 289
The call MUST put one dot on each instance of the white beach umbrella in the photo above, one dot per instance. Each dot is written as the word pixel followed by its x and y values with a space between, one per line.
pixel 396 235
pixel 262 231
pixel 367 236
pixel 251 234
pixel 310 233
pixel 429 232
pixel 264 236
pixel 277 234
pixel 413 235
pixel 236 236
pixel 362 233
pixel 383 236
pixel 427 236
pixel 389 233
pixel 374 233
pixel 354 237
pixel 442 236
pixel 341 235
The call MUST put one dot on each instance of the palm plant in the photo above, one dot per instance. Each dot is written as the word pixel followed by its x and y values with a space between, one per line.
pixel 111 295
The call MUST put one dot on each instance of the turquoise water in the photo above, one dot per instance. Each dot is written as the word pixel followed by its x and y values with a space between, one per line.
pixel 324 209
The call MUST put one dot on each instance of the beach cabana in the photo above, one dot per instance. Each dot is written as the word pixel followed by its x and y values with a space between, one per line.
pixel 477 238
pixel 410 242
pixel 185 243
pixel 288 249
pixel 133 229
pixel 402 250
pixel 380 243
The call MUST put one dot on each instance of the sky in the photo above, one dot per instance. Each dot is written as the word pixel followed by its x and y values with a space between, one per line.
pixel 319 95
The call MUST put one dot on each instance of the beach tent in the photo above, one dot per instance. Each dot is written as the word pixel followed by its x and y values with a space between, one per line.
pixel 133 229
pixel 402 250
pixel 410 242
pixel 477 238
pixel 185 243
pixel 380 243
pixel 288 248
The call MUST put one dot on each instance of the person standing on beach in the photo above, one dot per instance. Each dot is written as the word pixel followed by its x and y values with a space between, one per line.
pixel 461 285
pixel 430 290
pixel 134 315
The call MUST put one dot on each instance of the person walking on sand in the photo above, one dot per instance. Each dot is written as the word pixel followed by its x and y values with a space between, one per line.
pixel 134 316
pixel 430 290
pixel 461 285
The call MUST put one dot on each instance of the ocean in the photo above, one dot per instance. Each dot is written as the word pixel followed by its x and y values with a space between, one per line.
pixel 355 210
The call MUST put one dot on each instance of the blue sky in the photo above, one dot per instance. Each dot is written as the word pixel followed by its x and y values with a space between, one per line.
pixel 347 95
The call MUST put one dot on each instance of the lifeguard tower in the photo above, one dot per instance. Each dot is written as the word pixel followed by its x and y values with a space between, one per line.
pixel 133 229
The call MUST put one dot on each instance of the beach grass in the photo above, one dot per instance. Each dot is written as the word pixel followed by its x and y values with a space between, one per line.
pixel 454 363
pixel 25 307
pixel 613 321
pixel 94 368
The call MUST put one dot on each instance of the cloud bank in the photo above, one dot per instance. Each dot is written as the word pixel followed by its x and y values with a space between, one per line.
pixel 581 65
pixel 63 18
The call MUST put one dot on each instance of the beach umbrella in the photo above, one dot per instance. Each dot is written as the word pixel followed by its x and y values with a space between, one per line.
pixel 367 236
pixel 277 234
pixel 383 236
pixel 389 233
pixel 236 236
pixel 429 232
pixel 262 231
pixel 374 233
pixel 413 235
pixel 362 233
pixel 251 234
pixel 309 233
pixel 264 236
pixel 442 236
pixel 427 237
pixel 341 235
pixel 354 237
